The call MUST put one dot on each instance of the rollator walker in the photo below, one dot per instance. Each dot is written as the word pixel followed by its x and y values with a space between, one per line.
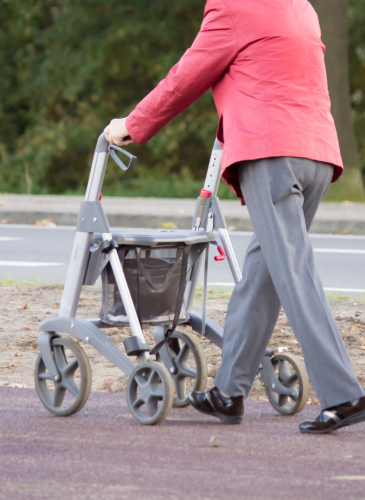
pixel 149 278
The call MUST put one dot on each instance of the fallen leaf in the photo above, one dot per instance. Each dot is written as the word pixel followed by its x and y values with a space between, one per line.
pixel 25 307
pixel 107 383
pixel 169 225
pixel 12 364
pixel 362 347
pixel 45 222
pixel 56 304
pixel 26 328
pixel 214 442
pixel 17 355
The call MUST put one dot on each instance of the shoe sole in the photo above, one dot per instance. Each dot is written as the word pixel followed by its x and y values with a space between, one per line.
pixel 355 419
pixel 225 419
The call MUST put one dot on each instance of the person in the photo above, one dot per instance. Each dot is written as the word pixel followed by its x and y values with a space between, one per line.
pixel 264 61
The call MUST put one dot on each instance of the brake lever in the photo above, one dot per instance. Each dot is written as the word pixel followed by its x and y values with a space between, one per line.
pixel 118 161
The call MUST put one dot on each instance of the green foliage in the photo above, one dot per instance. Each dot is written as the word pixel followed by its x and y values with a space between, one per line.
pixel 69 66
pixel 356 15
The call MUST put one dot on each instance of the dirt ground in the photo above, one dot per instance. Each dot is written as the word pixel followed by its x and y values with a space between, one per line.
pixel 22 308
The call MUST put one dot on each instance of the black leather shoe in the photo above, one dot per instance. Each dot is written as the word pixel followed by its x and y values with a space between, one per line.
pixel 228 410
pixel 336 417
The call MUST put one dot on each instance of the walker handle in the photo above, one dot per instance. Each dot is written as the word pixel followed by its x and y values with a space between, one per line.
pixel 118 161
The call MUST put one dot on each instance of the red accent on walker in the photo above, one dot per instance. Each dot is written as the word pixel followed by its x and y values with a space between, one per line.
pixel 100 196
pixel 204 193
pixel 221 255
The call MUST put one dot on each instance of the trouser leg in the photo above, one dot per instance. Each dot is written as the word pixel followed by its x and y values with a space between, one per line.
pixel 251 317
pixel 278 193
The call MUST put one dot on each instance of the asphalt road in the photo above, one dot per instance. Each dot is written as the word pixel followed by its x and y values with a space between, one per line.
pixel 102 453
pixel 31 253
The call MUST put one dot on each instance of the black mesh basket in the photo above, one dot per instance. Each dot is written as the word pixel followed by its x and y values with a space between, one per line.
pixel 156 278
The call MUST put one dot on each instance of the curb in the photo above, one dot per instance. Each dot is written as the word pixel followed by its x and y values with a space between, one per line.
pixel 319 226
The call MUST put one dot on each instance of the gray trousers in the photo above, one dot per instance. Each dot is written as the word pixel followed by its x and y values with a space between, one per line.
pixel 282 197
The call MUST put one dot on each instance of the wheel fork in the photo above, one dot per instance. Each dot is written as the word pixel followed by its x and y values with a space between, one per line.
pixel 267 376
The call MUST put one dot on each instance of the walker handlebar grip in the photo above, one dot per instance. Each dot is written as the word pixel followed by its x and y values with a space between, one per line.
pixel 103 146
pixel 118 161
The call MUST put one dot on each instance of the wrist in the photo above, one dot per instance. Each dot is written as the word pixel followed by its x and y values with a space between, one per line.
pixel 127 127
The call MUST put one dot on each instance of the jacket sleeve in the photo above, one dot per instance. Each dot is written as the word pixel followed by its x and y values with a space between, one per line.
pixel 200 67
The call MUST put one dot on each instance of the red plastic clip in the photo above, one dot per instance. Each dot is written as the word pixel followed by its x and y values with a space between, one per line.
pixel 100 197
pixel 204 193
pixel 221 255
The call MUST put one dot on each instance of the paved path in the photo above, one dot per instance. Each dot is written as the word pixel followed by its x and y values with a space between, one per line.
pixel 101 453
pixel 336 218
pixel 32 252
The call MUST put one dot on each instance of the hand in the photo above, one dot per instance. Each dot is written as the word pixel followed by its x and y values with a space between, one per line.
pixel 116 132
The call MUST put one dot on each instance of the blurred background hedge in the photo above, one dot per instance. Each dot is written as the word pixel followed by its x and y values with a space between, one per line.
pixel 69 66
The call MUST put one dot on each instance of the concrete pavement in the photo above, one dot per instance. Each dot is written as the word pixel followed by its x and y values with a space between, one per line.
pixel 332 218
pixel 102 453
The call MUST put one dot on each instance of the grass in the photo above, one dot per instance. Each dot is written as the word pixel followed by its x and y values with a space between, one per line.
pixel 212 294
pixel 340 296
pixel 9 280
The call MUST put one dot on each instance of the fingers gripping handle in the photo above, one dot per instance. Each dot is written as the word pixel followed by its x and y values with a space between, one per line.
pixel 118 161
pixel 103 146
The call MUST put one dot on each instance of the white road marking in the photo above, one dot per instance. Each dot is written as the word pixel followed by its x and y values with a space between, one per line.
pixel 338 250
pixel 311 235
pixel 16 263
pixel 33 226
pixel 347 478
pixel 9 238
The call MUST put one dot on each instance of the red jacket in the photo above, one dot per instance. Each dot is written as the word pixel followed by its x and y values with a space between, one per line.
pixel 264 60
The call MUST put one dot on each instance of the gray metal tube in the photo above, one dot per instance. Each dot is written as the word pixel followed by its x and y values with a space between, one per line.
pixel 81 247
pixel 191 287
pixel 231 256
pixel 213 176
pixel 96 177
pixel 125 293
pixel 75 275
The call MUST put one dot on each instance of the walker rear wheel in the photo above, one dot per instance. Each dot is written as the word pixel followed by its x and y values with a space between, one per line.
pixel 190 366
pixel 292 374
pixel 70 393
pixel 150 393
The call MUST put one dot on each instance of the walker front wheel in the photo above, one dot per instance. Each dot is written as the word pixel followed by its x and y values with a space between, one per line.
pixel 292 374
pixel 150 393
pixel 70 393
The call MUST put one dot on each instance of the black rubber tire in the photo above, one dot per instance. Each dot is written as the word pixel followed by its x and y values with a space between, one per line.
pixel 196 349
pixel 82 362
pixel 281 403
